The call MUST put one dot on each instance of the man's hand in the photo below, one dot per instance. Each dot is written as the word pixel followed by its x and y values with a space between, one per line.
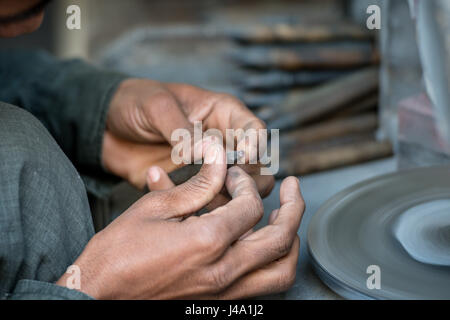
pixel 144 113
pixel 149 252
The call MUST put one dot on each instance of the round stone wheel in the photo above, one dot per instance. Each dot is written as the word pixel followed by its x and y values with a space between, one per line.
pixel 363 227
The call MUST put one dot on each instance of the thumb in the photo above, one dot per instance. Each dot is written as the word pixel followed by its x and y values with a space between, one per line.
pixel 191 196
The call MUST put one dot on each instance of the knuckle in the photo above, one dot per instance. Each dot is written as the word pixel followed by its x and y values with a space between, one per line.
pixel 259 123
pixel 302 205
pixel 162 101
pixel 287 277
pixel 230 101
pixel 256 204
pixel 208 238
pixel 200 182
pixel 162 198
pixel 235 172
pixel 228 98
pixel 217 278
pixel 281 244
pixel 252 206
pixel 199 185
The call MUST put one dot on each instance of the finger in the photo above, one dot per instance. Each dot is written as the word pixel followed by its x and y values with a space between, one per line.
pixel 131 161
pixel 166 115
pixel 220 200
pixel 292 206
pixel 250 142
pixel 239 215
pixel 273 216
pixel 246 126
pixel 271 242
pixel 220 111
pixel 276 277
pixel 191 196
pixel 264 183
pixel 158 179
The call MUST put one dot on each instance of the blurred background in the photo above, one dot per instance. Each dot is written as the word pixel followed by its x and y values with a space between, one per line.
pixel 310 67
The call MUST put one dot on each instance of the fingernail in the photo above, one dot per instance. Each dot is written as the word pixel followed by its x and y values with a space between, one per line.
pixel 154 174
pixel 211 154
pixel 296 181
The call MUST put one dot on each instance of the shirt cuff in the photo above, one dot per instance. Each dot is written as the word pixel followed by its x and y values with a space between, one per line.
pixel 100 184
pixel 37 290
pixel 90 147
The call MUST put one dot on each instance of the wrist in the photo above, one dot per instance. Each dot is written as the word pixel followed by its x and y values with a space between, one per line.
pixel 86 274
pixel 113 160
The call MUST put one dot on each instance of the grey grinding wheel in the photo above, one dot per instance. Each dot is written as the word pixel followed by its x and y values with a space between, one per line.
pixel 399 222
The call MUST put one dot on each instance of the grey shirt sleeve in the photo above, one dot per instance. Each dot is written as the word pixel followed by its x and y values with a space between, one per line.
pixel 71 98
pixel 38 290
pixel 45 219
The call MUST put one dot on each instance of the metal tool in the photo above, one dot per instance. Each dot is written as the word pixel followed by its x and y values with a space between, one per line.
pixel 273 80
pixel 334 55
pixel 302 33
pixel 325 99
pixel 183 174
pixel 343 151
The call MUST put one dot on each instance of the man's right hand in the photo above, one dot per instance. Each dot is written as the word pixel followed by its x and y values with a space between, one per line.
pixel 150 253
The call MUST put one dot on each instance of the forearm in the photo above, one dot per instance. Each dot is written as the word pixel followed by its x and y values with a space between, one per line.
pixel 71 98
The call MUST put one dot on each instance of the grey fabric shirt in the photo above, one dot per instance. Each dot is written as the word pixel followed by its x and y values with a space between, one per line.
pixel 52 120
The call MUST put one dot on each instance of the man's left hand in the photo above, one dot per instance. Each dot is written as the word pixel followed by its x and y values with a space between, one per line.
pixel 144 113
